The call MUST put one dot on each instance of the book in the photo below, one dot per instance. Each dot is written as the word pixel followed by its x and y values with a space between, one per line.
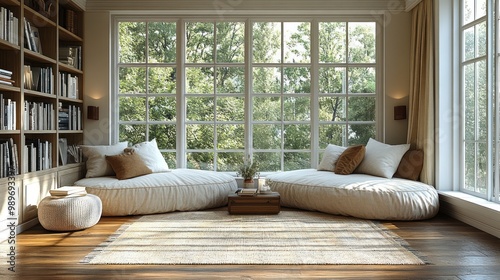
pixel 246 192
pixel 68 190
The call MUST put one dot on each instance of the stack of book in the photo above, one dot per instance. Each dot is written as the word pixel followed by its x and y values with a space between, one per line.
pixel 246 192
pixel 6 77
pixel 32 36
pixel 7 113
pixel 9 26
pixel 39 78
pixel 68 86
pixel 68 191
pixel 70 118
pixel 37 155
pixel 9 164
pixel 68 19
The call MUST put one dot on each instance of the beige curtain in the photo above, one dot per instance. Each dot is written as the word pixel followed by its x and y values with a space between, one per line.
pixel 422 87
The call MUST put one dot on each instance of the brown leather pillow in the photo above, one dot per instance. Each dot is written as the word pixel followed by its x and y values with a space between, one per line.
pixel 128 165
pixel 350 159
pixel 410 165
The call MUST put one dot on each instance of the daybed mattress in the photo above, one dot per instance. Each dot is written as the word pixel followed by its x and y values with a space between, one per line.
pixel 177 190
pixel 356 195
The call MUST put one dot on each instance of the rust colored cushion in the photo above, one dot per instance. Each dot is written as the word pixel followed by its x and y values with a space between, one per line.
pixel 128 165
pixel 410 165
pixel 350 159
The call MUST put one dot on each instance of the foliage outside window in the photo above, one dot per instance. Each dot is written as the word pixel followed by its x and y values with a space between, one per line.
pixel 230 89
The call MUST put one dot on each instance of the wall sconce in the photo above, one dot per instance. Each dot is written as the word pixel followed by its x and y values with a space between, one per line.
pixel 93 112
pixel 399 112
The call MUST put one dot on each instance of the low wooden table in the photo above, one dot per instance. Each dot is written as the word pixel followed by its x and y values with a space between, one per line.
pixel 267 203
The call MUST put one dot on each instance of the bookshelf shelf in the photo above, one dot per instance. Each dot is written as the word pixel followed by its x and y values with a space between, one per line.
pixel 32 69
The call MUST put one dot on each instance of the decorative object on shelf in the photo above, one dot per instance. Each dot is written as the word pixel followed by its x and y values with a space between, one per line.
pixel 248 170
pixel 47 8
pixel 75 152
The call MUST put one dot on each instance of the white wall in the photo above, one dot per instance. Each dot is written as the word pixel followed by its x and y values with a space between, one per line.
pixel 97 83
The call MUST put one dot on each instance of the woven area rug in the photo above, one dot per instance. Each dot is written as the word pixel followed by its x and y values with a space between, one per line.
pixel 216 237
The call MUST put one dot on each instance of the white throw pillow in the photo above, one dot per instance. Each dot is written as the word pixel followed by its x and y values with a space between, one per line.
pixel 151 156
pixel 330 157
pixel 381 159
pixel 96 158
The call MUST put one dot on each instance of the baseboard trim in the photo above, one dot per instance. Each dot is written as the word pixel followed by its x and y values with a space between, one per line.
pixel 476 212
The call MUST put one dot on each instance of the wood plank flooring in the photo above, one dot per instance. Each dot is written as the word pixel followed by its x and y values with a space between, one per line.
pixel 454 250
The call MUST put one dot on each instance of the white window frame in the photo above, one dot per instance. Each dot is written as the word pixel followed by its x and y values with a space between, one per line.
pixel 208 16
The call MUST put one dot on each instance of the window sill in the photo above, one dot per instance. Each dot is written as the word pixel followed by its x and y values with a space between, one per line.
pixel 477 212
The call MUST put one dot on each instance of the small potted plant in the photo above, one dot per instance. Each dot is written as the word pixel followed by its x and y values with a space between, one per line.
pixel 248 171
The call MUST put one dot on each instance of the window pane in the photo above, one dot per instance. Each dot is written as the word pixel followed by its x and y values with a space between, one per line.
pixel 162 109
pixel 361 108
pixel 162 80
pixel 294 161
pixel 362 80
pixel 199 42
pixel 171 159
pixel 296 80
pixel 266 109
pixel 332 42
pixel 230 79
pixel 230 136
pixel 332 134
pixel 132 42
pixel 162 42
pixel 132 80
pixel 481 38
pixel 268 162
pixel 297 136
pixel 200 136
pixel 482 168
pixel 332 109
pixel 480 8
pixel 202 161
pixel 332 80
pixel 468 10
pixel 296 109
pixel 229 161
pixel 482 101
pixel 230 109
pixel 266 80
pixel 360 133
pixel 470 102
pixel 133 133
pixel 469 43
pixel 266 42
pixel 165 135
pixel 132 108
pixel 266 136
pixel 470 166
pixel 230 42
pixel 297 37
pixel 200 80
pixel 362 42
pixel 200 109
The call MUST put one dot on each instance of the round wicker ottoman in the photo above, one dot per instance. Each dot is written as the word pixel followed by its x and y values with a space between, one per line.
pixel 69 213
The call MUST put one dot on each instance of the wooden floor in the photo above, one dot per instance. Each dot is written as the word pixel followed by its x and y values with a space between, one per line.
pixel 454 250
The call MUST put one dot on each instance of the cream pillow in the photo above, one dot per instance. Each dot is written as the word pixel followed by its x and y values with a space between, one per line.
pixel 151 155
pixel 381 159
pixel 96 158
pixel 330 157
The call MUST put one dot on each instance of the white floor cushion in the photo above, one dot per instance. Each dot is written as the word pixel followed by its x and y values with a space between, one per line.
pixel 357 195
pixel 177 190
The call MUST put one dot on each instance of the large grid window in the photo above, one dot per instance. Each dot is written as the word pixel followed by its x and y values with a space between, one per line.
pixel 476 98
pixel 212 91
